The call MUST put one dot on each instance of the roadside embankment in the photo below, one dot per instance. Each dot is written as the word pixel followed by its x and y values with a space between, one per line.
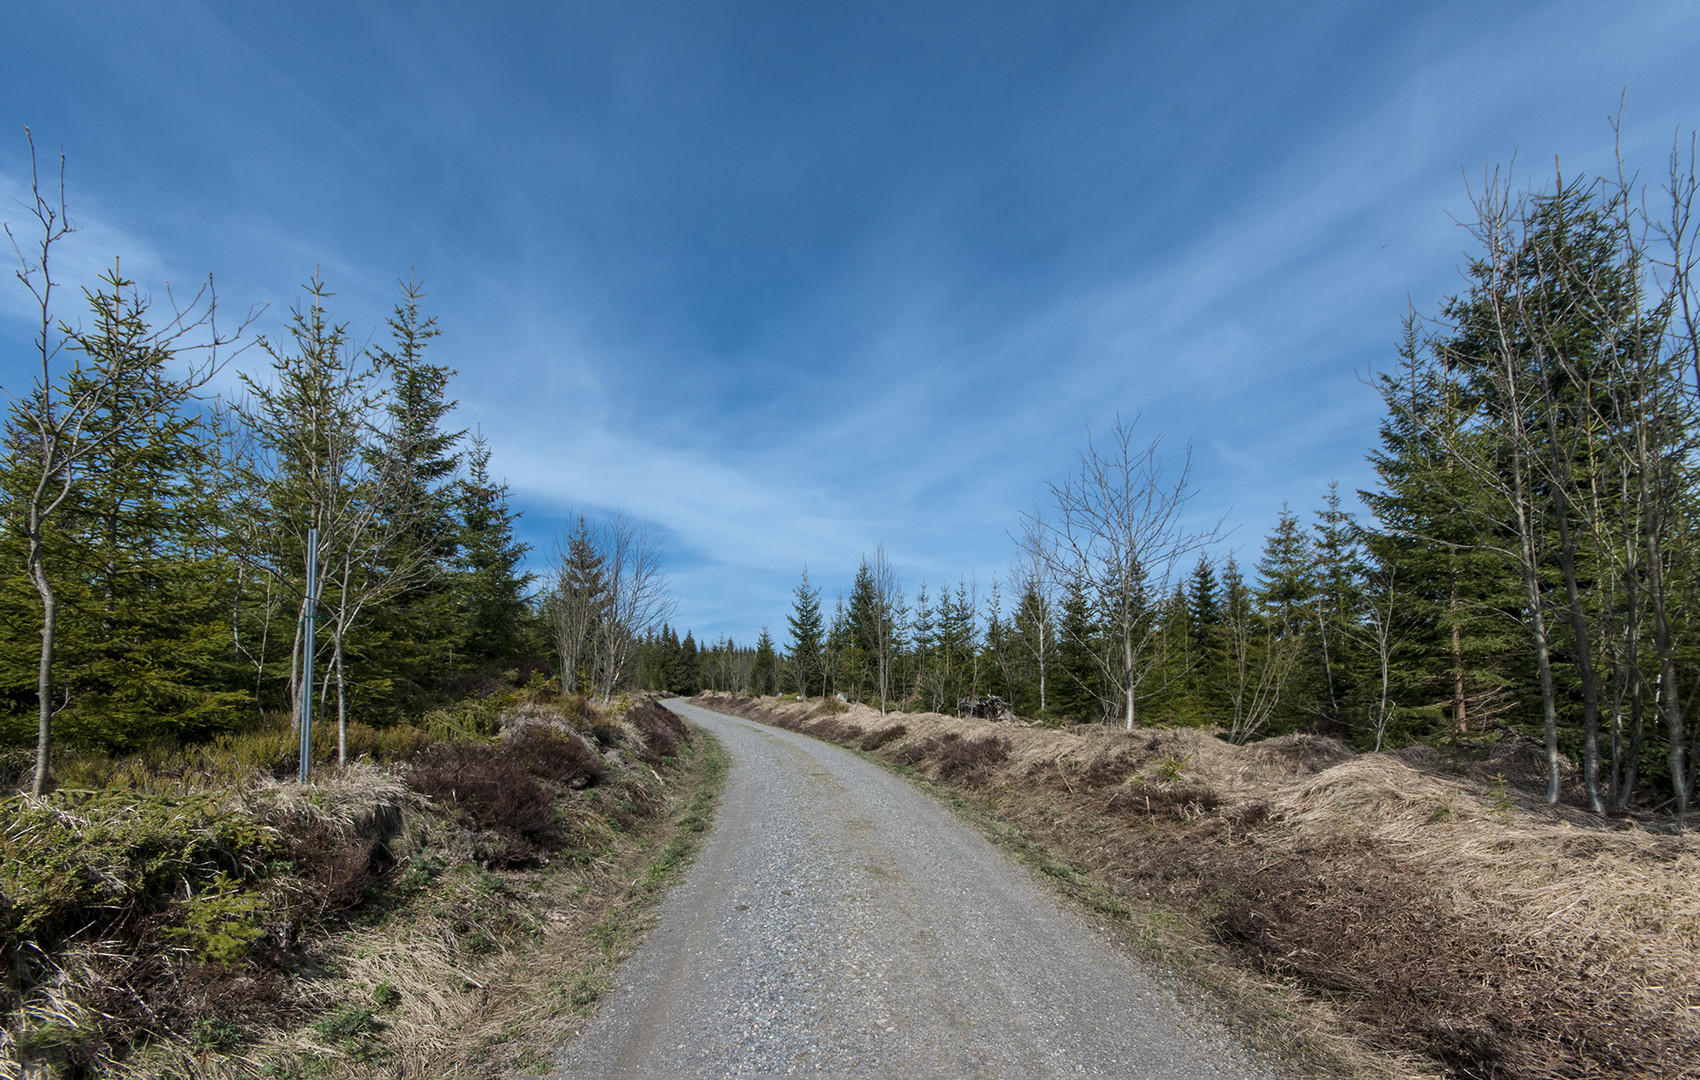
pixel 457 909
pixel 1437 915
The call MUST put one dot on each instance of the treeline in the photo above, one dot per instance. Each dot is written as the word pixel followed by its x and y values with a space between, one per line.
pixel 667 663
pixel 1525 564
pixel 153 559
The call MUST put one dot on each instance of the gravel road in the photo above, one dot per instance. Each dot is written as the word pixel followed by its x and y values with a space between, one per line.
pixel 839 922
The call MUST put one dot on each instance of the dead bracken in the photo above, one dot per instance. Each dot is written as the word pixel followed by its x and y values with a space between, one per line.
pixel 1446 919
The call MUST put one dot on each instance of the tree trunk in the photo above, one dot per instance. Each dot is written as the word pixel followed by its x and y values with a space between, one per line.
pixel 1537 616
pixel 1127 677
pixel 1670 691
pixel 1460 705
pixel 1042 664
pixel 1583 644
pixel 341 705
pixel 44 673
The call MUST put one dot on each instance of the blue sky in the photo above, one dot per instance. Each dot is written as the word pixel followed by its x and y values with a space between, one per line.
pixel 786 281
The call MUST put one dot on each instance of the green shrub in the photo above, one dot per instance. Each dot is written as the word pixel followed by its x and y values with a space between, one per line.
pixel 220 921
pixel 77 858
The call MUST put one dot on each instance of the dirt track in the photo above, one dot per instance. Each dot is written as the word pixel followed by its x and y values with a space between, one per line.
pixel 838 922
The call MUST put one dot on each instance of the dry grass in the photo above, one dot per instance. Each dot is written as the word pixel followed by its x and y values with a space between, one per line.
pixel 1445 919
pixel 486 976
pixel 375 922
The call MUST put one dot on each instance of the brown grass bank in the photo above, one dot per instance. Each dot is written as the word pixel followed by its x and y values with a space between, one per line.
pixel 1438 915
pixel 457 910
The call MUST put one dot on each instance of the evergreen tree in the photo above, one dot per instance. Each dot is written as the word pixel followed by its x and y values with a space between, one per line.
pixel 998 655
pixel 1078 692
pixel 958 642
pixel 1339 612
pixel 578 608
pixel 1171 700
pixel 1456 664
pixel 490 597
pixel 1285 584
pixel 417 458
pixel 1286 600
pixel 764 667
pixel 925 649
pixel 863 621
pixel 141 597
pixel 842 657
pixel 689 678
pixel 1035 643
pixel 1207 676
pixel 804 625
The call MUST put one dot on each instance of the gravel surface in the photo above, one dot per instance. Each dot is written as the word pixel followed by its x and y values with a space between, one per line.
pixel 839 922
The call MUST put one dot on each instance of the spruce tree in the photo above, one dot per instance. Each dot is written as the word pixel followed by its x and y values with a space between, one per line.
pixel 1208 675
pixel 842 658
pixel 804 625
pixel 1339 614
pixel 491 584
pixel 417 457
pixel 925 648
pixel 689 678
pixel 578 608
pixel 1459 657
pixel 764 666
pixel 1286 600
pixel 863 621
pixel 141 595
pixel 1078 692
pixel 1035 643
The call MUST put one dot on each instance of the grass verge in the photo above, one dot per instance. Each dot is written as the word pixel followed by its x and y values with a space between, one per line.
pixel 457 913
pixel 555 939
pixel 1356 914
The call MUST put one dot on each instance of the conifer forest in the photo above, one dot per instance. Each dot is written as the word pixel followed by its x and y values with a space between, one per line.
pixel 154 574
pixel 1522 565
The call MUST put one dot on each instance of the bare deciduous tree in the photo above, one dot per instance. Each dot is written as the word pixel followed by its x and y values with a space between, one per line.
pixel 638 597
pixel 1120 526
pixel 117 379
